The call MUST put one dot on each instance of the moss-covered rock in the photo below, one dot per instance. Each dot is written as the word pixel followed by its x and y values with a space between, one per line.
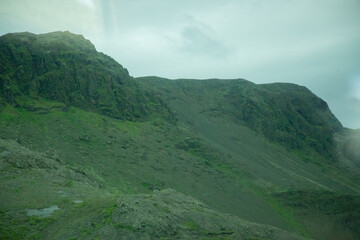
pixel 286 113
pixel 65 67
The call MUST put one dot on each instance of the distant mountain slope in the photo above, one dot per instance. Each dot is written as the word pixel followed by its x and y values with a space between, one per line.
pixel 348 148
pixel 67 68
pixel 285 113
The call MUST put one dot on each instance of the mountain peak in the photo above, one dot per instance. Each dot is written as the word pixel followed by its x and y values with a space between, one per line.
pixel 74 41
pixel 54 41
pixel 66 67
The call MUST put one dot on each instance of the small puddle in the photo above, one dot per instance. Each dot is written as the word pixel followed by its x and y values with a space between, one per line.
pixel 78 201
pixel 42 213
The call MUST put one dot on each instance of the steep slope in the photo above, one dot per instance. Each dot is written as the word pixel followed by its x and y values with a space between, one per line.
pixel 348 145
pixel 42 197
pixel 65 67
pixel 205 109
pixel 285 113
pixel 252 151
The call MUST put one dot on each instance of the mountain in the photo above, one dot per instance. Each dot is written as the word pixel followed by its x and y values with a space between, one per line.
pixel 285 113
pixel 66 68
pixel 89 152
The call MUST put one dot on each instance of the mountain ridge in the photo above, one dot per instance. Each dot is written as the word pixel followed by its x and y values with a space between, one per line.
pixel 67 68
pixel 279 107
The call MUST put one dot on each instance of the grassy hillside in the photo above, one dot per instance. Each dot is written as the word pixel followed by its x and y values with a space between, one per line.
pixel 122 157
pixel 203 108
pixel 96 160
pixel 152 158
pixel 43 197
pixel 284 113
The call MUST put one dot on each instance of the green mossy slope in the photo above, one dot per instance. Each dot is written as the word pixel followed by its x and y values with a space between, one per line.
pixel 284 113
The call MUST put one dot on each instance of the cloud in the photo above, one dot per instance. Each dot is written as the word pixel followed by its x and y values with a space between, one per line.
pixel 355 88
pixel 88 3
pixel 43 16
pixel 199 39
pixel 196 41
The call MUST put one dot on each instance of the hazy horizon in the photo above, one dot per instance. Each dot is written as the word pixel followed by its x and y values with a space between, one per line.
pixel 314 44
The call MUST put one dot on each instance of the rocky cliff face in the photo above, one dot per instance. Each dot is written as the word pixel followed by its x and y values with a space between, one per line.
pixel 65 67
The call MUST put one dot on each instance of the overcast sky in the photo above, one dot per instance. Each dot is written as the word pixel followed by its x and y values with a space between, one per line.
pixel 315 43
